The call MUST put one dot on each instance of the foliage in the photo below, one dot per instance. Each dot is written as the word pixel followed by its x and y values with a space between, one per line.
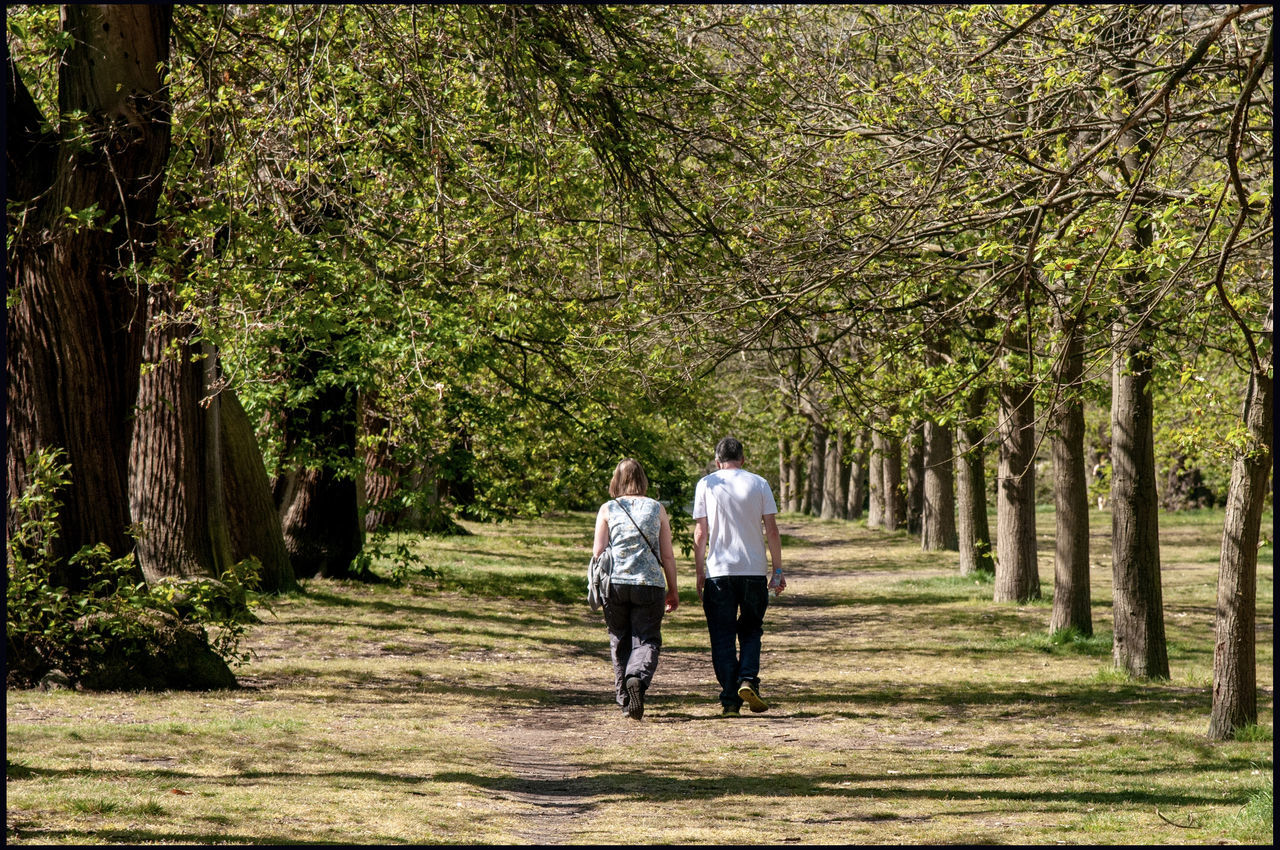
pixel 50 627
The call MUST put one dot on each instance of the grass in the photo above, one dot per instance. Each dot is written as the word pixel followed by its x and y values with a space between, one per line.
pixel 474 707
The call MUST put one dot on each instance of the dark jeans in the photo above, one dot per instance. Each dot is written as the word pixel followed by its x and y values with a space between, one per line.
pixel 633 613
pixel 735 607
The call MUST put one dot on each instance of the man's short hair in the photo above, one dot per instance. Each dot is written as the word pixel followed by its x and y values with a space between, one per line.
pixel 728 449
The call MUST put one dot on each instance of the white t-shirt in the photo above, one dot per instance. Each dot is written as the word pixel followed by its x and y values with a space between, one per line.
pixel 734 502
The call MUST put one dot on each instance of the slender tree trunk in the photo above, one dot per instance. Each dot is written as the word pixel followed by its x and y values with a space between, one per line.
pixel 817 468
pixel 75 327
pixel 795 477
pixel 252 521
pixel 1071 594
pixel 1235 689
pixel 895 496
pixel 915 478
pixel 1137 600
pixel 858 475
pixel 832 499
pixel 876 503
pixel 1017 574
pixel 938 529
pixel 784 472
pixel 1139 643
pixel 974 531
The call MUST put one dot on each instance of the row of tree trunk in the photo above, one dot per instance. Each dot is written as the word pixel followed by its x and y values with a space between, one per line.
pixel 943 499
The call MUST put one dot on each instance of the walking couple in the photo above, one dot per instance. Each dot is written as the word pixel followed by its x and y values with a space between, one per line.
pixel 730 508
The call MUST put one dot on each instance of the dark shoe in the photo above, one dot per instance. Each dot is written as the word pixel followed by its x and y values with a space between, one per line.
pixel 729 711
pixel 635 698
pixel 751 697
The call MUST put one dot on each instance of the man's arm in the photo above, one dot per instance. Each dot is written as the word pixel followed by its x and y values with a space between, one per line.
pixel 774 540
pixel 700 535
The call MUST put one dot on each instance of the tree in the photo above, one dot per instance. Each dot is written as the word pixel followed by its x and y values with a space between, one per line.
pixel 81 212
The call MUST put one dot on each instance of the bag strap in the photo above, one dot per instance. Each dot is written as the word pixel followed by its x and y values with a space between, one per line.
pixel 642 535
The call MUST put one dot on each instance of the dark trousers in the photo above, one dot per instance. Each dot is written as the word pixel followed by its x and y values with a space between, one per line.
pixel 735 607
pixel 633 614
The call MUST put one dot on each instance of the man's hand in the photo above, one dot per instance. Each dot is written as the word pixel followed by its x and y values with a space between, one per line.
pixel 673 599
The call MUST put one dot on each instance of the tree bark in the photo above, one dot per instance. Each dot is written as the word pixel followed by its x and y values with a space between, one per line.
pixel 317 499
pixel 795 475
pixel 75 327
pixel 1235 689
pixel 974 531
pixel 1139 643
pixel 876 510
pixel 938 525
pixel 846 471
pixel 915 478
pixel 858 476
pixel 1071 592
pixel 320 523
pixel 252 521
pixel 817 468
pixel 174 455
pixel 1017 574
pixel 895 496
pixel 832 498
pixel 1138 607
pixel 784 470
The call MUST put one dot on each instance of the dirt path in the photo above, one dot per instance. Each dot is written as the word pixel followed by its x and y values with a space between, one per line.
pixel 535 743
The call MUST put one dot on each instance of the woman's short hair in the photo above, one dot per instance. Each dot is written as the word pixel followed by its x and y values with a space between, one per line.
pixel 629 479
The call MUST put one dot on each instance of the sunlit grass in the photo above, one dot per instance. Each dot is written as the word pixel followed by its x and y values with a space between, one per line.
pixel 908 708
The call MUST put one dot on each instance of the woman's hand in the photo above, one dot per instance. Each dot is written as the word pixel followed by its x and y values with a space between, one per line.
pixel 673 599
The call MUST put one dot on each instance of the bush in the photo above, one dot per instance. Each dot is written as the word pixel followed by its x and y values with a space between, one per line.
pixel 115 632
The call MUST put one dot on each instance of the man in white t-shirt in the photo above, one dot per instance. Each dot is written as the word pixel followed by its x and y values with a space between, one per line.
pixel 734 512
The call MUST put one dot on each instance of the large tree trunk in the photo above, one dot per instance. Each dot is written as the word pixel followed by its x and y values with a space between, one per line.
pixel 858 476
pixel 320 522
pixel 252 521
pixel 915 478
pixel 1071 596
pixel 1235 689
pixel 1017 575
pixel 938 529
pixel 974 531
pixel 175 455
pixel 75 327
pixel 832 498
pixel 317 499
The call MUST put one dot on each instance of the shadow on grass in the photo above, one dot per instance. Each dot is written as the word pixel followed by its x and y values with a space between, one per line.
pixel 149 836
pixel 634 785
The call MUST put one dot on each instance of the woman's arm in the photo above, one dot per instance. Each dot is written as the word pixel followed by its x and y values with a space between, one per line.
pixel 668 560
pixel 602 533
